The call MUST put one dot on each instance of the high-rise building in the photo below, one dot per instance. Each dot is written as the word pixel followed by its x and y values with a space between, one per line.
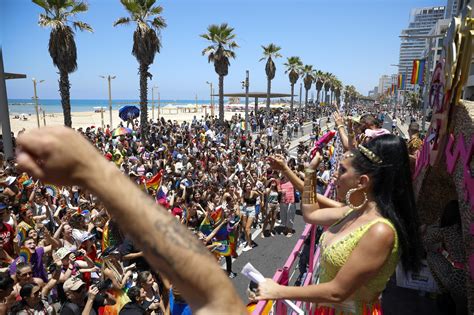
pixel 451 9
pixel 413 44
pixel 385 83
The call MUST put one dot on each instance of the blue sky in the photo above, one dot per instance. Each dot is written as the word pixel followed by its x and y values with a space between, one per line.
pixel 355 40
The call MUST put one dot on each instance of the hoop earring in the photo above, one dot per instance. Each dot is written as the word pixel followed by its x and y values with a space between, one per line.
pixel 348 199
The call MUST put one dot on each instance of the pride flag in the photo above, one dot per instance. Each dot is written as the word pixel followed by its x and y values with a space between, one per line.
pixel 222 248
pixel 401 81
pixel 418 72
pixel 216 215
pixel 155 181
pixel 205 226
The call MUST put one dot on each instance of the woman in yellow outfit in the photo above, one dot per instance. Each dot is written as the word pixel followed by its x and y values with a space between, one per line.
pixel 368 234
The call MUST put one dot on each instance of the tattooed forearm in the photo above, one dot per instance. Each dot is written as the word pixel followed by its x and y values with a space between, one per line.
pixel 167 245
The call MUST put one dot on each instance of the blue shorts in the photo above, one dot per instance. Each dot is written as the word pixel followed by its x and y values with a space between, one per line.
pixel 257 209
pixel 249 211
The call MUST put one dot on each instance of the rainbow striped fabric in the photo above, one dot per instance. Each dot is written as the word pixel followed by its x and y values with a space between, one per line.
pixel 401 81
pixel 417 74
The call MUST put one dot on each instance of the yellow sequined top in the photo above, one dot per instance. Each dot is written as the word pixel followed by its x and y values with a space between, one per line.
pixel 334 256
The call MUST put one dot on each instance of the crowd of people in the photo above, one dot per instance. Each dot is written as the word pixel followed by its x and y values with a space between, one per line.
pixel 64 246
pixel 214 179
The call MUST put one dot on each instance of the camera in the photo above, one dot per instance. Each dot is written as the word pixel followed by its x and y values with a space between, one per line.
pixel 103 285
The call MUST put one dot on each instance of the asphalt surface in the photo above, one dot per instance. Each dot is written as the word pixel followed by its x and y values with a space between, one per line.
pixel 271 252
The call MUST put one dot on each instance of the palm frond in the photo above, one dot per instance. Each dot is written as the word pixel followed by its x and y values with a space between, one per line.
pixel 122 20
pixel 158 23
pixel 156 10
pixel 78 8
pixel 43 3
pixel 132 6
pixel 46 21
pixel 82 26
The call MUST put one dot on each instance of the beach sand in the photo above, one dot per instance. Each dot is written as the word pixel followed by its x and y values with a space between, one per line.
pixel 87 119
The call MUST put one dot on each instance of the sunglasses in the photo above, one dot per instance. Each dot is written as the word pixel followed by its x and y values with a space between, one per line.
pixel 26 274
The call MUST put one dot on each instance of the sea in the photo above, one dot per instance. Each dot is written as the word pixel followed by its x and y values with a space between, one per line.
pixel 27 106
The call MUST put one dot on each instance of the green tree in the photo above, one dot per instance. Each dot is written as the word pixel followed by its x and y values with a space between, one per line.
pixel 219 52
pixel 293 67
pixel 327 85
pixel 414 99
pixel 319 77
pixel 146 43
pixel 270 52
pixel 307 73
pixel 59 16
pixel 337 85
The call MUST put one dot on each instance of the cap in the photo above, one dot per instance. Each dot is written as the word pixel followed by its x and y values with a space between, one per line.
pixel 9 180
pixel 72 284
pixel 85 237
pixel 62 252
pixel 27 183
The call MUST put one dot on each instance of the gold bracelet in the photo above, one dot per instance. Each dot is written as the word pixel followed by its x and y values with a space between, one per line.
pixel 339 126
pixel 309 189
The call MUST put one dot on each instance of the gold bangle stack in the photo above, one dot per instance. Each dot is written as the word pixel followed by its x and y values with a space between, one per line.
pixel 309 190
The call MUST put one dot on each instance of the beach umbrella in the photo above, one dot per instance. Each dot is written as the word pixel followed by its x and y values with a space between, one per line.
pixel 121 131
pixel 128 112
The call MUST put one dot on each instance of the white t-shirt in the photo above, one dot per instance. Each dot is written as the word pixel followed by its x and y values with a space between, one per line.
pixel 270 131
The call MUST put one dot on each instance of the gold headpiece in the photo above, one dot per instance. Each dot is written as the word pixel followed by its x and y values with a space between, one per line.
pixel 369 154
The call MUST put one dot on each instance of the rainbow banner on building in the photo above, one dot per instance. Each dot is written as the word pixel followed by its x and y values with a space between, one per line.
pixel 418 72
pixel 401 81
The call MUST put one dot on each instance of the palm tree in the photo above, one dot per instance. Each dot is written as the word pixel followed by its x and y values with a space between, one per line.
pixel 319 75
pixel 293 67
pixel 146 43
pixel 307 72
pixel 270 52
pixel 62 47
pixel 414 100
pixel 334 84
pixel 337 91
pixel 219 53
pixel 350 95
pixel 327 85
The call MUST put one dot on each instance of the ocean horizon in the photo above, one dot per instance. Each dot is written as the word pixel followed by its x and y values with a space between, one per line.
pixel 27 106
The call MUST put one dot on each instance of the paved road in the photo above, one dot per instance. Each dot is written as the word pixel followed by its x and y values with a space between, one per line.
pixel 271 252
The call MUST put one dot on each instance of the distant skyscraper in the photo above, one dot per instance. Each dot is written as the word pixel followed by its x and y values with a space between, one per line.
pixel 451 9
pixel 385 83
pixel 421 22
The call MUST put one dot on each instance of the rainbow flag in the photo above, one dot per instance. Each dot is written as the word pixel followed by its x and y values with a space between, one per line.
pixel 155 181
pixel 205 226
pixel 25 255
pixel 222 248
pixel 23 229
pixel 216 215
pixel 401 81
pixel 418 72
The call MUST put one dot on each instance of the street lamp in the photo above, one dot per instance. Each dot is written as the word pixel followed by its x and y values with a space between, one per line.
pixel 245 84
pixel 109 79
pixel 212 98
pixel 153 103
pixel 36 99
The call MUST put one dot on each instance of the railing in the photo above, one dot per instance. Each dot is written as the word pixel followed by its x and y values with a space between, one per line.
pixel 282 275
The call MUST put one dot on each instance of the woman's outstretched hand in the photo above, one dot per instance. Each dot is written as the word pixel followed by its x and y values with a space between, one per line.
pixel 314 164
pixel 277 162
pixel 268 290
